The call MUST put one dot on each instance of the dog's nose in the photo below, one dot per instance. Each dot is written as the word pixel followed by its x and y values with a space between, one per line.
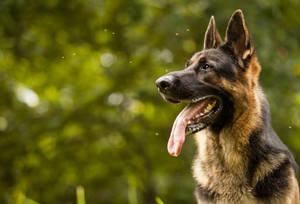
pixel 164 83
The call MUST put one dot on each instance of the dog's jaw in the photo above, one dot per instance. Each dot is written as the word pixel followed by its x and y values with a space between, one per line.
pixel 193 118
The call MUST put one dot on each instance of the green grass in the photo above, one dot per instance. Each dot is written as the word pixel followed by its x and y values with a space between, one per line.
pixel 20 198
pixel 80 195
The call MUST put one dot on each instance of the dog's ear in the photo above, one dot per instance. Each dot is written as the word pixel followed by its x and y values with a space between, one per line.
pixel 212 37
pixel 238 38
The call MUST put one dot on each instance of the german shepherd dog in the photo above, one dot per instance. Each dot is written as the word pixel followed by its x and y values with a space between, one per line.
pixel 240 159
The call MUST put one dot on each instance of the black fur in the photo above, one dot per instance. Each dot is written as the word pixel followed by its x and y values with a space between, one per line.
pixel 273 184
pixel 263 143
pixel 261 148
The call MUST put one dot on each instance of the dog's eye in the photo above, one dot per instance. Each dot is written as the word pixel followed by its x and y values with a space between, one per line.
pixel 206 67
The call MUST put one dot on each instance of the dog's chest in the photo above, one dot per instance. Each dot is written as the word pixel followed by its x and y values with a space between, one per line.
pixel 219 170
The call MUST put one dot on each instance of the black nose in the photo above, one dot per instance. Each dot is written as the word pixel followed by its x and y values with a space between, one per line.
pixel 164 83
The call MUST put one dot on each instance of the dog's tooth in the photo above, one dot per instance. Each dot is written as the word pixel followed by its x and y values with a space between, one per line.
pixel 206 110
pixel 189 122
pixel 213 104
pixel 209 107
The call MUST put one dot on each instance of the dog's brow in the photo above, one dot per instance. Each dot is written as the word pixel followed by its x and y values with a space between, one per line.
pixel 215 59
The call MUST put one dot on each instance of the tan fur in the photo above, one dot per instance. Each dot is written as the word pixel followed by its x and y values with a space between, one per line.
pixel 237 162
pixel 246 54
pixel 247 104
pixel 225 159
pixel 229 175
pixel 294 195
pixel 264 168
pixel 221 161
pixel 228 179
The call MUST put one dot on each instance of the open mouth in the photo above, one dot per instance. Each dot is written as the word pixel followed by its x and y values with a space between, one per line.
pixel 197 115
pixel 207 110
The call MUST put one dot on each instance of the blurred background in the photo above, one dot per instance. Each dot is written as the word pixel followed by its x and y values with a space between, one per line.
pixel 80 117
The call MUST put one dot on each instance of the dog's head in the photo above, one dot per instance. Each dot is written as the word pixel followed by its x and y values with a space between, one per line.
pixel 210 81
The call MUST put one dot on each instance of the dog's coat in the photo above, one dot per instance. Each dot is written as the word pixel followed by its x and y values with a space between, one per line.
pixel 240 159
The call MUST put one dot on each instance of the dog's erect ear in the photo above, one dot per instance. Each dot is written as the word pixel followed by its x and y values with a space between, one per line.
pixel 237 36
pixel 212 37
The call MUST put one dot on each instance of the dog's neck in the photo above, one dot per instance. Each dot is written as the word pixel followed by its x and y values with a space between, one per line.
pixel 246 117
pixel 230 142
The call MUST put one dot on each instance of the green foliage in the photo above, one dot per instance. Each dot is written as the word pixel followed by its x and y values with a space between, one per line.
pixel 159 201
pixel 80 195
pixel 20 198
pixel 78 102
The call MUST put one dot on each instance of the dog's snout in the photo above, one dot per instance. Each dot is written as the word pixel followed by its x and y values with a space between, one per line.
pixel 164 83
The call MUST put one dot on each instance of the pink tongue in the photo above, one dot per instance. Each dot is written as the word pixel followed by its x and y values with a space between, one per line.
pixel 177 137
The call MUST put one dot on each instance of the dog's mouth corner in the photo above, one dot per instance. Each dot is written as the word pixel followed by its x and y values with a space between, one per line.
pixel 197 115
pixel 206 111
